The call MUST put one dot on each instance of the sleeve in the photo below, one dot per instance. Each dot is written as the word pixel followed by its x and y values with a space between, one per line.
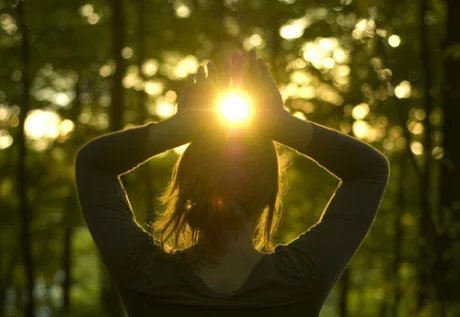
pixel 323 251
pixel 124 246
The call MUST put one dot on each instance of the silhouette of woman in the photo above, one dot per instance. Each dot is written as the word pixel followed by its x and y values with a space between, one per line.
pixel 210 251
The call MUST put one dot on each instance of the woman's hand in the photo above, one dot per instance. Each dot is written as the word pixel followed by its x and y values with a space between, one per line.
pixel 253 75
pixel 195 106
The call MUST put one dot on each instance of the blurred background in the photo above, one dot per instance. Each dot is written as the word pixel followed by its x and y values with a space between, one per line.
pixel 386 72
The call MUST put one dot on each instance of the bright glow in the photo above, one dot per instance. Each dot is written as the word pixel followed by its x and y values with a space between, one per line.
pixel 62 99
pixel 180 149
pixel 255 40
pixel 182 11
pixel 364 28
pixel 165 109
pixel 361 129
pixel 294 29
pixel 360 111
pixel 324 53
pixel 5 139
pixel 150 67
pixel 86 10
pixel 300 77
pixel 417 128
pixel 403 90
pixel 416 148
pixel 394 40
pixel 234 107
pixel 153 87
pixel 188 65
pixel 4 112
pixel 42 124
pixel 66 126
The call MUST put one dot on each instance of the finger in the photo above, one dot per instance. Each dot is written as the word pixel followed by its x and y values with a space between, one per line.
pixel 212 72
pixel 225 77
pixel 251 72
pixel 186 89
pixel 201 75
pixel 253 67
pixel 264 71
pixel 189 81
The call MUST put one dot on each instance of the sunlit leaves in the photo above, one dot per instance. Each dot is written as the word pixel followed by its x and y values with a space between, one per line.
pixel 55 87
pixel 5 139
pixel 44 126
pixel 153 87
pixel 394 40
pixel 364 28
pixel 165 109
pixel 150 67
pixel 182 9
pixel 294 29
pixel 403 90
pixel 8 24
pixel 87 11
pixel 325 54
pixel 254 41
pixel 360 111
pixel 177 66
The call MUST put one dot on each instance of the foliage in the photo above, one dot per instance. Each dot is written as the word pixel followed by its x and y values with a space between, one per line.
pixel 353 65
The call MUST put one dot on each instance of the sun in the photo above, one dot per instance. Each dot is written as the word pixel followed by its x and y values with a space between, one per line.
pixel 234 107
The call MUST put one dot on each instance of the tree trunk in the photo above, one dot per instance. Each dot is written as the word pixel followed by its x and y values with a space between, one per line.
pixel 110 297
pixel 70 212
pixel 147 179
pixel 67 258
pixel 398 238
pixel 22 185
pixel 427 232
pixel 449 195
pixel 118 40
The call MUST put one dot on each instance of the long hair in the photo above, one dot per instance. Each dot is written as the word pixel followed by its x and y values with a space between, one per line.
pixel 217 188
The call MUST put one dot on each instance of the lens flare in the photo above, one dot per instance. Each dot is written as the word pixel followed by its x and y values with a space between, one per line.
pixel 235 107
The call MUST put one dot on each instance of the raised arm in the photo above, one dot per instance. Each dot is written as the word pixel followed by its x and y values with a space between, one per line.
pixel 125 247
pixel 326 248
pixel 320 254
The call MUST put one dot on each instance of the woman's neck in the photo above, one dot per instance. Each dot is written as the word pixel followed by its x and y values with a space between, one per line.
pixel 239 249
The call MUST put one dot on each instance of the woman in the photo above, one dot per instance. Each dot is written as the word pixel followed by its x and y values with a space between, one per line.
pixel 210 252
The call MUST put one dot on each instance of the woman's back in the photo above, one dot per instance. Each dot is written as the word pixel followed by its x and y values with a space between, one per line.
pixel 294 279
pixel 172 285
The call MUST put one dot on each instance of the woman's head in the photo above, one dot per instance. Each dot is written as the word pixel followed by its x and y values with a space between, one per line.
pixel 218 188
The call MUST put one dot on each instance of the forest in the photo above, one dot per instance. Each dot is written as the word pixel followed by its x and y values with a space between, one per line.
pixel 386 72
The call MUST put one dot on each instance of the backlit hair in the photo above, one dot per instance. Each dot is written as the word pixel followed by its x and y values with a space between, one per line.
pixel 218 188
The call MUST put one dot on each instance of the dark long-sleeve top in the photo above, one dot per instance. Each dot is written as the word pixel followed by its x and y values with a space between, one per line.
pixel 295 279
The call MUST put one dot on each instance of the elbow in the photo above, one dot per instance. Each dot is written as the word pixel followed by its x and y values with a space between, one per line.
pixel 82 157
pixel 381 167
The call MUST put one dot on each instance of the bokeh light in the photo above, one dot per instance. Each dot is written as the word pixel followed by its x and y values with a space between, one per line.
pixel 42 124
pixel 5 139
pixel 294 29
pixel 403 90
pixel 360 111
pixel 361 129
pixel 165 109
pixel 394 40
pixel 182 10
